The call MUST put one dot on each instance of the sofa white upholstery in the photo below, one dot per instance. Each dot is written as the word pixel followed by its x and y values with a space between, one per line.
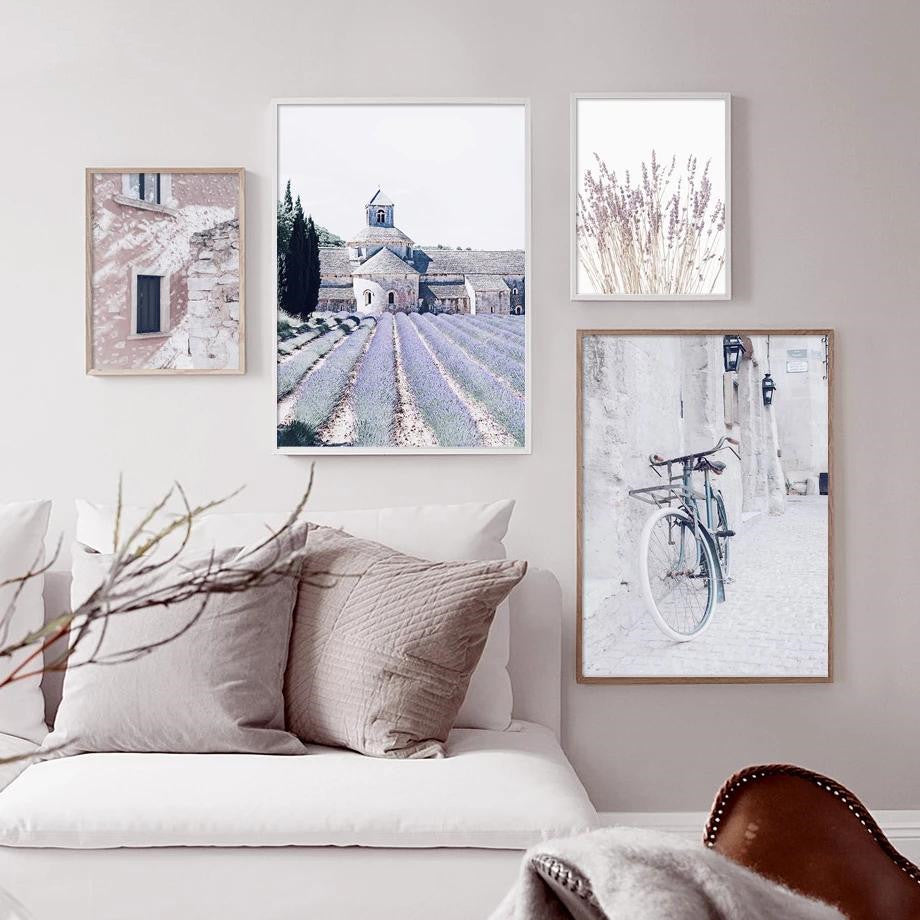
pixel 495 790
pixel 189 836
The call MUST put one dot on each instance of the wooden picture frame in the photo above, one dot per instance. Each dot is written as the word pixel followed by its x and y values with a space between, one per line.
pixel 666 146
pixel 173 218
pixel 587 670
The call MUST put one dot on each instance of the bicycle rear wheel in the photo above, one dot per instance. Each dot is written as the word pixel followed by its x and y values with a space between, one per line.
pixel 676 568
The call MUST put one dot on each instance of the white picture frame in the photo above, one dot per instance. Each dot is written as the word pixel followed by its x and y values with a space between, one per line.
pixel 577 291
pixel 524 103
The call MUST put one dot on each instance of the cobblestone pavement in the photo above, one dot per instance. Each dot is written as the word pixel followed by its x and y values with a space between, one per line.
pixel 772 624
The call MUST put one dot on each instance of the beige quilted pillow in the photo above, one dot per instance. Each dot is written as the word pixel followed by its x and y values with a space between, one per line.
pixel 384 644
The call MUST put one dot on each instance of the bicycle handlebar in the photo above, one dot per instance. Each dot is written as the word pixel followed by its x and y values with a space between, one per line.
pixel 656 460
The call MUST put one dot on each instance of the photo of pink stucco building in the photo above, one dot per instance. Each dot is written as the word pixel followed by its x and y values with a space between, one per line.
pixel 165 271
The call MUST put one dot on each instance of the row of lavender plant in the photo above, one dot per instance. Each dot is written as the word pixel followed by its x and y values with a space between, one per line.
pixel 504 405
pixel 491 354
pixel 506 324
pixel 323 387
pixel 665 234
pixel 313 329
pixel 374 393
pixel 292 370
pixel 511 345
pixel 444 413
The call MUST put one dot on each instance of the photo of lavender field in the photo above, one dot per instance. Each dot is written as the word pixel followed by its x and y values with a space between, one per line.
pixel 651 198
pixel 386 344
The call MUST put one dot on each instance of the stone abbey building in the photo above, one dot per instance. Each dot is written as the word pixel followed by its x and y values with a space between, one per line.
pixel 380 269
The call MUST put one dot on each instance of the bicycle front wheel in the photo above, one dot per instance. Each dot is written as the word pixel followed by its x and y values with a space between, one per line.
pixel 677 574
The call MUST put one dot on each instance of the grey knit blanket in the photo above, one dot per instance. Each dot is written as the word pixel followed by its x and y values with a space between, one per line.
pixel 646 875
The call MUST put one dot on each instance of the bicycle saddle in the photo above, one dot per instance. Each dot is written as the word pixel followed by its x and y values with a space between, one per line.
pixel 717 466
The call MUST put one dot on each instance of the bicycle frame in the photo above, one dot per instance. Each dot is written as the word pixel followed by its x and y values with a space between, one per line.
pixel 679 487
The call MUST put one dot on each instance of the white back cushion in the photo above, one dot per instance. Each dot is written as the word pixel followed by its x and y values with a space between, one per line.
pixel 23 526
pixel 440 533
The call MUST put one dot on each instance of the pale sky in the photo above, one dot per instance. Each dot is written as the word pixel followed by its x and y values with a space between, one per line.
pixel 456 172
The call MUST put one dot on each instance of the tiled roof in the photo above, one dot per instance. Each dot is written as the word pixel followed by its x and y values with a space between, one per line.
pixel 443 290
pixel 378 234
pixel 333 260
pixel 336 292
pixel 385 262
pixel 380 197
pixel 469 262
pixel 487 283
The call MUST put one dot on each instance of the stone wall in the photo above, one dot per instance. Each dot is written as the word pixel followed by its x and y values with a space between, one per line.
pixel 666 395
pixel 209 336
pixel 798 367
pixel 405 292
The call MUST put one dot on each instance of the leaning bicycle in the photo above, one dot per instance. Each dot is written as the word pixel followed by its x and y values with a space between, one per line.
pixel 685 548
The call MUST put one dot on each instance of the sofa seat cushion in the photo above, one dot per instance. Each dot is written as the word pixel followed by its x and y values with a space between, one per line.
pixel 504 790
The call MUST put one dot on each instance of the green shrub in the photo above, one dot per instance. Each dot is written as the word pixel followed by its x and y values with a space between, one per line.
pixel 296 434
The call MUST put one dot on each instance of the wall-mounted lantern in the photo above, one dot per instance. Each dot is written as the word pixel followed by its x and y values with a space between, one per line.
pixel 768 387
pixel 733 349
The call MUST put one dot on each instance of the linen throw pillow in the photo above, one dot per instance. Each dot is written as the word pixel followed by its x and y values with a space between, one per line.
pixel 215 688
pixel 384 644
pixel 441 533
pixel 22 541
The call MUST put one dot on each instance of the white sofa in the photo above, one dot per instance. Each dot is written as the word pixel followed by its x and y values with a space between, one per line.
pixel 332 835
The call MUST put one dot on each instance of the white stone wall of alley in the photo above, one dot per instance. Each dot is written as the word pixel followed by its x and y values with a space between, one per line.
pixel 668 395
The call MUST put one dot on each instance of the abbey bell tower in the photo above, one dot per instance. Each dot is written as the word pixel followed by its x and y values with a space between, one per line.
pixel 380 210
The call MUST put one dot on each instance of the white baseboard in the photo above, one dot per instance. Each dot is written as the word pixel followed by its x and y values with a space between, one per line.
pixel 901 827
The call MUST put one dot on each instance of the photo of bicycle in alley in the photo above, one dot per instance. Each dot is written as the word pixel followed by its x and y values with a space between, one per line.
pixel 704 491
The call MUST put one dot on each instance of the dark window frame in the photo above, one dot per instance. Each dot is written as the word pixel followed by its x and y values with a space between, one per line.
pixel 143 322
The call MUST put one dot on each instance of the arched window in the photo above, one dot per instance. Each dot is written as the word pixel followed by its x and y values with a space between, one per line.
pixel 367 298
pixel 391 297
pixel 381 216
pixel 514 292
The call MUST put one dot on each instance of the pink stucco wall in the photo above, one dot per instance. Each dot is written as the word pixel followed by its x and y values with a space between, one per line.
pixel 128 239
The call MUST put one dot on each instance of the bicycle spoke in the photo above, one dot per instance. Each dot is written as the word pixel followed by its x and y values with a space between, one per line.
pixel 678 573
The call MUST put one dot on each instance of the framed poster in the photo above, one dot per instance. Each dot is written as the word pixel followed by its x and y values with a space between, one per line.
pixel 704 505
pixel 651 196
pixel 165 263
pixel 402 256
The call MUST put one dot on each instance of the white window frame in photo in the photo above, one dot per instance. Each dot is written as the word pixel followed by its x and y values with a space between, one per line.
pixel 574 180
pixel 165 205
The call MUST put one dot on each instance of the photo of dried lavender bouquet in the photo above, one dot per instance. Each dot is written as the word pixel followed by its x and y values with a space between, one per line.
pixel 651 198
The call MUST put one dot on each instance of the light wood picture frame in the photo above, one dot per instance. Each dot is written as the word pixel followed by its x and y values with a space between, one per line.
pixel 650 210
pixel 764 535
pixel 165 271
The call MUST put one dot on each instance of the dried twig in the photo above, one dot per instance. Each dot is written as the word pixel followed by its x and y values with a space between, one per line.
pixel 139 578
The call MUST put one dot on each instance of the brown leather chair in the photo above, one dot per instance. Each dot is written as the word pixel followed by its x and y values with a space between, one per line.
pixel 814 836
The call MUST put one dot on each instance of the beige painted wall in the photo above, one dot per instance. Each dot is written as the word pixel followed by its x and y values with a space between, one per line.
pixel 825 233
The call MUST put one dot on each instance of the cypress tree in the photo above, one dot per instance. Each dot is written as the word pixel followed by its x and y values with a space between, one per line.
pixel 313 271
pixel 285 225
pixel 296 268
